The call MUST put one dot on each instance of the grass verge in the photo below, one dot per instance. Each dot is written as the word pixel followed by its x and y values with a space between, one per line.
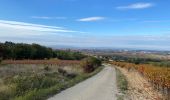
pixel 42 94
pixel 122 84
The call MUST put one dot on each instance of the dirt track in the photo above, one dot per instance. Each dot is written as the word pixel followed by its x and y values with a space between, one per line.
pixel 99 87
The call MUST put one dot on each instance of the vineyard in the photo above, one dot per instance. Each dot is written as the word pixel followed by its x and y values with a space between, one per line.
pixel 39 79
pixel 159 77
pixel 53 61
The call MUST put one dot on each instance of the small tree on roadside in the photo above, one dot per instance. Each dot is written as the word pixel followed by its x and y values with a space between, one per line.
pixel 89 64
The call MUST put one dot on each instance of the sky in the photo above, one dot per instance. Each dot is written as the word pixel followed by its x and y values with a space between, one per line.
pixel 138 24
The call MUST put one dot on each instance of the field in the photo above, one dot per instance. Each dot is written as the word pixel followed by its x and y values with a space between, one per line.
pixel 53 61
pixel 38 79
pixel 158 77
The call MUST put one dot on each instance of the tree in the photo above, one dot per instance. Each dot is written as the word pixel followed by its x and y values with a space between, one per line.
pixel 9 50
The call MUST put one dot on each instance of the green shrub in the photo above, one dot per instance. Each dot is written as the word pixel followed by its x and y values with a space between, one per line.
pixel 25 84
pixel 7 92
pixel 121 81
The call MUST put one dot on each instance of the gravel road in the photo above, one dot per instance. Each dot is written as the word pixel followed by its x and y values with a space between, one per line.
pixel 99 87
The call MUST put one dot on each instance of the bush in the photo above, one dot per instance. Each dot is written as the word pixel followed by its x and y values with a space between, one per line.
pixel 66 74
pixel 71 75
pixel 0 60
pixel 90 64
pixel 7 91
pixel 28 83
pixel 46 68
pixel 62 71
pixel 4 95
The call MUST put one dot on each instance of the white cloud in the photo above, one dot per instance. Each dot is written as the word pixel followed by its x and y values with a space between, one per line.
pixel 136 6
pixel 91 19
pixel 45 17
pixel 35 33
pixel 51 35
pixel 31 27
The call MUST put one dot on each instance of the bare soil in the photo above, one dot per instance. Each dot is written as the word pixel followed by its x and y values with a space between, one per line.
pixel 139 87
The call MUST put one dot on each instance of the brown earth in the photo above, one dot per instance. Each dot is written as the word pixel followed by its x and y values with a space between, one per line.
pixel 139 88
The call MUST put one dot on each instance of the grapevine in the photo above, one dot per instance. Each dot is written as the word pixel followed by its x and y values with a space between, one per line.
pixel 159 77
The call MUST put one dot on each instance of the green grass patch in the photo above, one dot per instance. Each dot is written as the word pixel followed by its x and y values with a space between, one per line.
pixel 122 84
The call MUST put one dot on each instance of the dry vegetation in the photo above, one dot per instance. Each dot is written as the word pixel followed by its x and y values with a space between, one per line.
pixel 122 85
pixel 52 61
pixel 43 74
pixel 38 79
pixel 146 78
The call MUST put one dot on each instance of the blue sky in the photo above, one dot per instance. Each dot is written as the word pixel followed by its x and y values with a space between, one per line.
pixel 142 24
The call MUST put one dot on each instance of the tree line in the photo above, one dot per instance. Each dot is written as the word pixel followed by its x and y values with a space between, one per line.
pixel 19 51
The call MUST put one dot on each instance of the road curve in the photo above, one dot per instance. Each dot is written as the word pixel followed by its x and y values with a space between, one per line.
pixel 99 87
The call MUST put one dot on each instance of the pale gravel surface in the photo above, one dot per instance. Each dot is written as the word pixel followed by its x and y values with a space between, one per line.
pixel 99 87
pixel 139 88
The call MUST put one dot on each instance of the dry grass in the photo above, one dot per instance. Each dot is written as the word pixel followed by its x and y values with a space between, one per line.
pixel 24 67
pixel 51 61
pixel 38 79
pixel 14 73
pixel 139 88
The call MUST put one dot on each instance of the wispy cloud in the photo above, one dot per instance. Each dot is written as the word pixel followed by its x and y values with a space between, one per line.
pixel 52 35
pixel 32 27
pixel 46 17
pixel 35 33
pixel 136 6
pixel 91 19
